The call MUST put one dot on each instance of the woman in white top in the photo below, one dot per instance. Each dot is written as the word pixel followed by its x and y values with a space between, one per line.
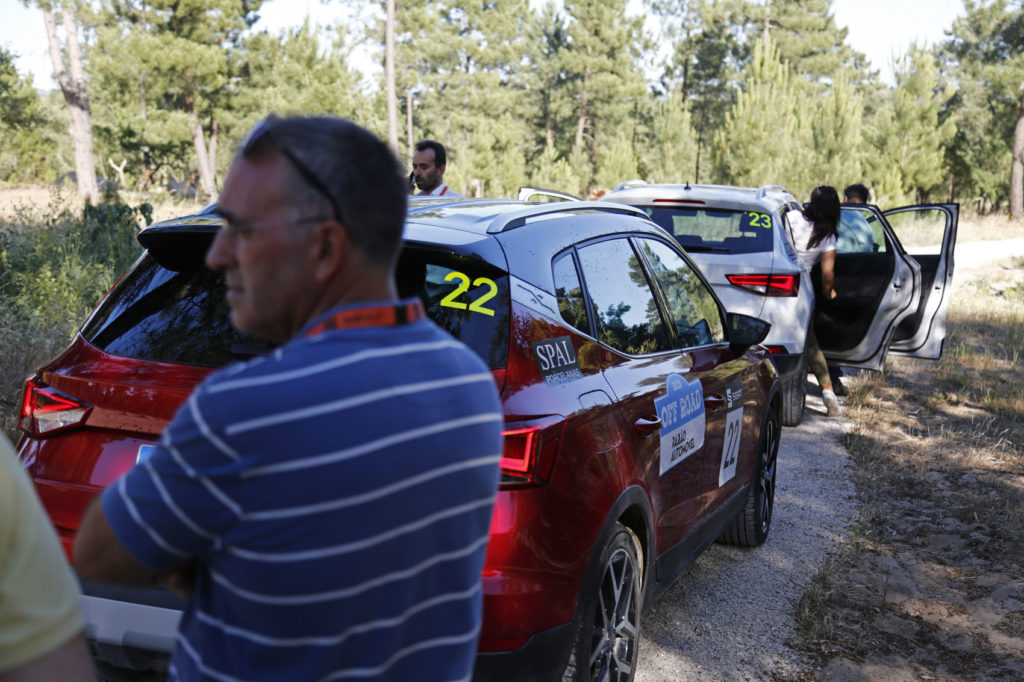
pixel 814 232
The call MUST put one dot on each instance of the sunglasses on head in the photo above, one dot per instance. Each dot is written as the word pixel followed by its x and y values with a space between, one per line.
pixel 263 133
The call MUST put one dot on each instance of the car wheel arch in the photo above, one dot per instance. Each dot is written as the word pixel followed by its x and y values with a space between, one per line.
pixel 631 509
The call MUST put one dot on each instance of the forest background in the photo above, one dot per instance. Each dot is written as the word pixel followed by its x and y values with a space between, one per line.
pixel 565 95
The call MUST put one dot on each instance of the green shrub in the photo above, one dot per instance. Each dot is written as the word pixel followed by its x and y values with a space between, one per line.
pixel 53 270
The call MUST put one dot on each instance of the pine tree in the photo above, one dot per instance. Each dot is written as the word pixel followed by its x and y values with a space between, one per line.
pixel 26 155
pixel 764 140
pixel 836 130
pixel 710 50
pixel 985 56
pixel 809 39
pixel 911 134
pixel 169 60
pixel 600 60
pixel 464 60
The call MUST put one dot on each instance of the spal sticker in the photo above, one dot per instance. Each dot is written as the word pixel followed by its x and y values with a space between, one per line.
pixel 556 359
pixel 681 411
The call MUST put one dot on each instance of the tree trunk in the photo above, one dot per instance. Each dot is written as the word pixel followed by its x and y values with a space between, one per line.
pixel 1017 167
pixel 581 119
pixel 389 70
pixel 76 97
pixel 206 183
pixel 408 120
pixel 211 153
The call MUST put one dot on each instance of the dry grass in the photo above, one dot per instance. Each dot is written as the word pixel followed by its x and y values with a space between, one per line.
pixel 938 461
pixel 987 228
pixel 37 200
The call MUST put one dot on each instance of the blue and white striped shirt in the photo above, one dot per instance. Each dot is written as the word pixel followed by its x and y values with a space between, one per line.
pixel 337 495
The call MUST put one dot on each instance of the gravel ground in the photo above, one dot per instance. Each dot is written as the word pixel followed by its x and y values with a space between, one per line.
pixel 729 616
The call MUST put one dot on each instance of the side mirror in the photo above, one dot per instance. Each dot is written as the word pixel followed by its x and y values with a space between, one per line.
pixel 745 331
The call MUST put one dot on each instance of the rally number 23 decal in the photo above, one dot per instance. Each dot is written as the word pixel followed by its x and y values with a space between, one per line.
pixel 476 306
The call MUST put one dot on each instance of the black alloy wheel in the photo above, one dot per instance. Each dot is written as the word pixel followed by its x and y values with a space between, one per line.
pixel 615 629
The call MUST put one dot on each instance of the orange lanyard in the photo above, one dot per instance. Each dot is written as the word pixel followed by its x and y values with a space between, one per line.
pixel 374 316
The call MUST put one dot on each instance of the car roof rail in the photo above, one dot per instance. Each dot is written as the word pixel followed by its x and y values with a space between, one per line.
pixel 512 220
pixel 764 189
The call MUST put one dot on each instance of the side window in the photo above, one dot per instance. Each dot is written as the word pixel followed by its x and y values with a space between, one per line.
pixel 628 318
pixel 921 231
pixel 693 309
pixel 859 232
pixel 569 292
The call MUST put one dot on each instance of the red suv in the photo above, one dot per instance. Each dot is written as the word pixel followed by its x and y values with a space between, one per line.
pixel 641 420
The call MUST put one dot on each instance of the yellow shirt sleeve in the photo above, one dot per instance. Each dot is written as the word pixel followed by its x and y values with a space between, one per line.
pixel 39 597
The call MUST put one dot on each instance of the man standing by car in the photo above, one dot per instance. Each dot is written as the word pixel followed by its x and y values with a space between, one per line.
pixel 326 506
pixel 428 164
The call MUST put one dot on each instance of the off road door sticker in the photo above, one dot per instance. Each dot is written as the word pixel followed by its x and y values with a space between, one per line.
pixel 557 360
pixel 681 411
pixel 733 429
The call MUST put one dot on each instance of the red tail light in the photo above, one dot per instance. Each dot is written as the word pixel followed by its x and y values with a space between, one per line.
pixel 767 285
pixel 46 411
pixel 530 450
pixel 775 350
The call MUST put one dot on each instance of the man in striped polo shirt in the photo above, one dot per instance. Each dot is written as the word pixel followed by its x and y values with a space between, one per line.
pixel 327 506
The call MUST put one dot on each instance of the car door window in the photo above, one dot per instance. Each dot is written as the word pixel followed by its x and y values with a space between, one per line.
pixel 693 308
pixel 628 317
pixel 920 231
pixel 569 293
pixel 860 232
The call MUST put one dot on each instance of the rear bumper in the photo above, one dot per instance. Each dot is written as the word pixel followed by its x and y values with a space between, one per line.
pixel 131 627
pixel 542 658
pixel 136 628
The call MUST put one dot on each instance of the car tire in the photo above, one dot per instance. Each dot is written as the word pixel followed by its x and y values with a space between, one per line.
pixel 607 638
pixel 751 525
pixel 794 394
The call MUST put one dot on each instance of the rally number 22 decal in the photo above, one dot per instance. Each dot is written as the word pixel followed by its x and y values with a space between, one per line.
pixel 476 306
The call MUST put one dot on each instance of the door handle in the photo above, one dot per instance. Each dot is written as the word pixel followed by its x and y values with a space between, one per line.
pixel 645 425
pixel 713 401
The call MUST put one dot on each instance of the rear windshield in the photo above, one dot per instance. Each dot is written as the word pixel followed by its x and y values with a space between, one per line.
pixel 715 231
pixel 183 317
pixel 157 314
pixel 464 295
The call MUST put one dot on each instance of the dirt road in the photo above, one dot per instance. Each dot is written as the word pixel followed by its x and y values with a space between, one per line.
pixel 729 616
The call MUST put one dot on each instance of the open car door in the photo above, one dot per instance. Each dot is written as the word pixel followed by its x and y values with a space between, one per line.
pixel 888 299
pixel 933 227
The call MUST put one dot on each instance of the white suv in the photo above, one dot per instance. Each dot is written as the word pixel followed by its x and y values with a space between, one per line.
pixel 887 300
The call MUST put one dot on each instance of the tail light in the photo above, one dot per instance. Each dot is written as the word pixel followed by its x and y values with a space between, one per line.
pixel 46 411
pixel 767 285
pixel 529 451
pixel 776 350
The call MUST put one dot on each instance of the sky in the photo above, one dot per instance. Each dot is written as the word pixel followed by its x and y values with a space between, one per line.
pixel 878 28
